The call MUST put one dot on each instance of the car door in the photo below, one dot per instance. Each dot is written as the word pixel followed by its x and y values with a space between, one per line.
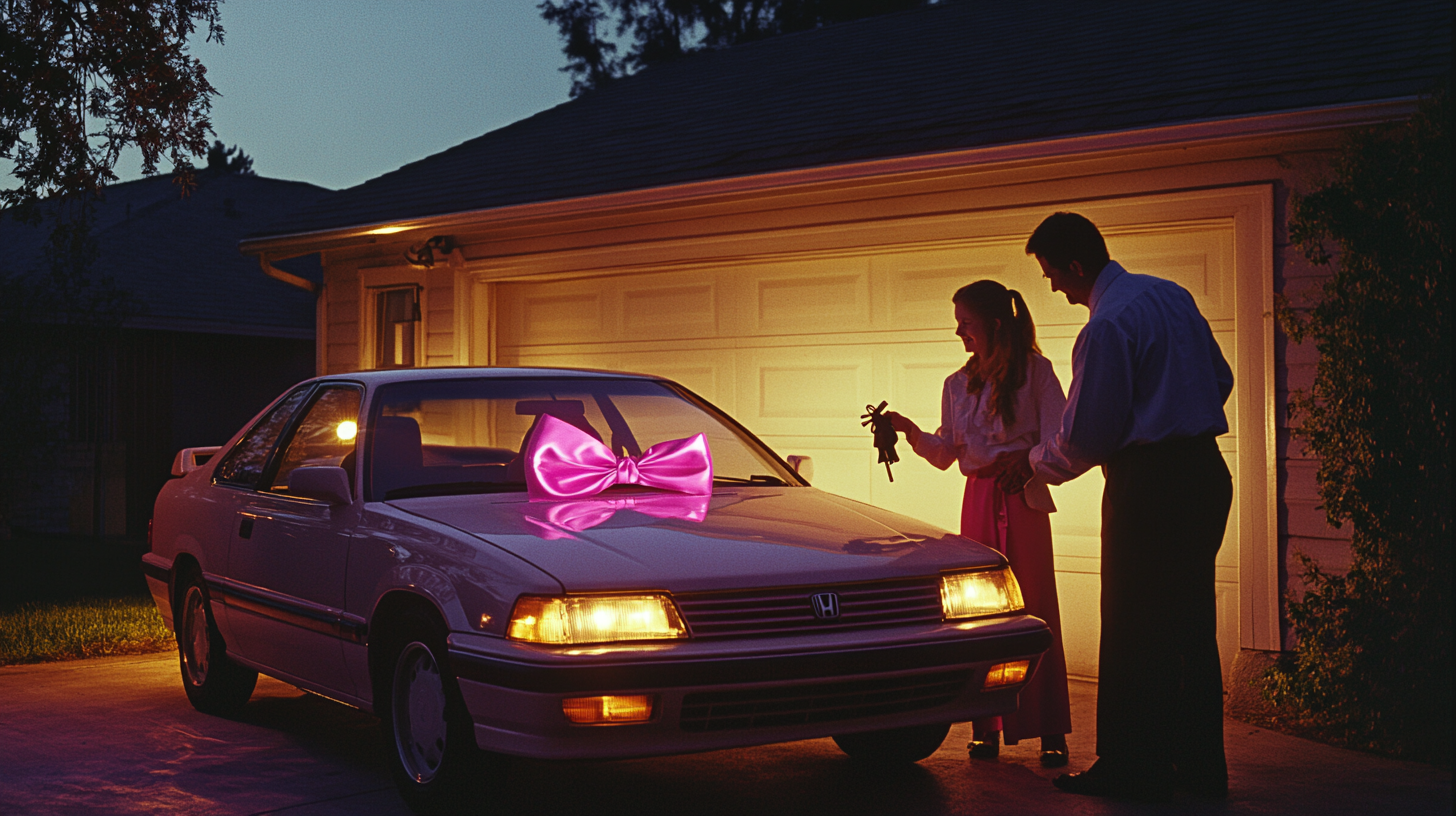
pixel 288 556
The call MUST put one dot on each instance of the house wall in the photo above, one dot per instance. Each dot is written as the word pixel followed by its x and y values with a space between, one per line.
pixel 937 209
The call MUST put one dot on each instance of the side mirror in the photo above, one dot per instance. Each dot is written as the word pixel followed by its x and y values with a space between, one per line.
pixel 330 484
pixel 804 466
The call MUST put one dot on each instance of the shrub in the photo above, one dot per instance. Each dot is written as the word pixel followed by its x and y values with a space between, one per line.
pixel 1373 662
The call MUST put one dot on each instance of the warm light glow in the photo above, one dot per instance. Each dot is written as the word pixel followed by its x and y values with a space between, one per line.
pixel 1007 674
pixel 595 619
pixel 988 592
pixel 386 230
pixel 612 708
pixel 347 430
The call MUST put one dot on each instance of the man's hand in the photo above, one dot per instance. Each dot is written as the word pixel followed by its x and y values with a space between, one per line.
pixel 1015 471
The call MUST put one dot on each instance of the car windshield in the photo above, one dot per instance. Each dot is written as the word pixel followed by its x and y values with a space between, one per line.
pixel 443 437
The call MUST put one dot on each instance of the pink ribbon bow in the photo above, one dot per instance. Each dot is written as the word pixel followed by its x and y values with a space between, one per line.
pixel 564 462
pixel 560 519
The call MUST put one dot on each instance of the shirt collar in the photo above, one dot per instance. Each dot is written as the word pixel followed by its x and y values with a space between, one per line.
pixel 1109 273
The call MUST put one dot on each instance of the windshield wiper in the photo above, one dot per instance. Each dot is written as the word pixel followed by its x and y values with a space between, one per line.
pixel 454 489
pixel 757 478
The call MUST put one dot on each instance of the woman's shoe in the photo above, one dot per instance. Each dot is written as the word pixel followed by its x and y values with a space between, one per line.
pixel 1053 751
pixel 987 748
pixel 1054 758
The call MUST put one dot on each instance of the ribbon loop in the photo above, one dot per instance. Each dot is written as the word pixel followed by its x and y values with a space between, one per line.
pixel 564 462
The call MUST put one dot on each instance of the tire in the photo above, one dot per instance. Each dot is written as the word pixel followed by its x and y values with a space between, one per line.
pixel 428 734
pixel 213 682
pixel 894 745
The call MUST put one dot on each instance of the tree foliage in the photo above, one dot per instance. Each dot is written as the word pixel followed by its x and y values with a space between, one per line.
pixel 659 31
pixel 80 81
pixel 84 79
pixel 222 160
pixel 1373 663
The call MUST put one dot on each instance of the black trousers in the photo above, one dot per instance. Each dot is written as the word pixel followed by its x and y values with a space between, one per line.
pixel 1160 688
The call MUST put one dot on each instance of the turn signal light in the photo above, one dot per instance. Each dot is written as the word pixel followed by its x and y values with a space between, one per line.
pixel 611 708
pixel 1007 674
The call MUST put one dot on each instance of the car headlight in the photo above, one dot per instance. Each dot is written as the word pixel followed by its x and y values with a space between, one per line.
pixel 986 592
pixel 575 619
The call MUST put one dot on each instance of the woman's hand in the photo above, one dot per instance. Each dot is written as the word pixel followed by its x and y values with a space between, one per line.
pixel 905 425
pixel 1015 471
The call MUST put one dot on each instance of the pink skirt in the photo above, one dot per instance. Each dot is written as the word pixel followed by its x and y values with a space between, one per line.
pixel 1004 523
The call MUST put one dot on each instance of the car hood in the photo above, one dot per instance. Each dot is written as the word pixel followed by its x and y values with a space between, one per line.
pixel 737 538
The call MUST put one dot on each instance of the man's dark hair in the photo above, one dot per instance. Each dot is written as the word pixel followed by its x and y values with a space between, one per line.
pixel 1065 237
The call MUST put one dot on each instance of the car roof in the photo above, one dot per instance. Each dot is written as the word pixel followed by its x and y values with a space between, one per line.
pixel 381 377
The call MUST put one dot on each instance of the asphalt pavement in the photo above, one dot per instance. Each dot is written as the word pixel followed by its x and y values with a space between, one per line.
pixel 116 735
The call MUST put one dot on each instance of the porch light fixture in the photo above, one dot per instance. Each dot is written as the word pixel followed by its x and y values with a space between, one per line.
pixel 423 254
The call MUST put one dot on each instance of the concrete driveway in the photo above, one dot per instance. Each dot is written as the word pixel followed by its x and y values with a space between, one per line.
pixel 116 735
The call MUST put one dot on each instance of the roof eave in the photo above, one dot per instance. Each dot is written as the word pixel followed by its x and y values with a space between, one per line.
pixel 1308 120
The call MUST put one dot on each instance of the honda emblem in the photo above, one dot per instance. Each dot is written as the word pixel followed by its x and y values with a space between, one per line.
pixel 826 605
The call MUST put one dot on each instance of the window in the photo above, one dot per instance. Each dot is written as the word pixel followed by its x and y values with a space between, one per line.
pixel 324 437
pixel 397 312
pixel 244 463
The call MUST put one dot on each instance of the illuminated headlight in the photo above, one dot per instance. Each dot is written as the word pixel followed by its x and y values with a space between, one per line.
pixel 987 592
pixel 595 619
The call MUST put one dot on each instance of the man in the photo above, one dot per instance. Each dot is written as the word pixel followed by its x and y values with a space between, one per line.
pixel 1146 403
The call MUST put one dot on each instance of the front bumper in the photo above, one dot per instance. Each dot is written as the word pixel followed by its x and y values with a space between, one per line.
pixel 730 693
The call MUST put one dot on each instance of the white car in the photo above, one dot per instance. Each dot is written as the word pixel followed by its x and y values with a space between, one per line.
pixel 383 539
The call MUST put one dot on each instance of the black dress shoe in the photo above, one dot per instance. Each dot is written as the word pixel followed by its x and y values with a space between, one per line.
pixel 1092 782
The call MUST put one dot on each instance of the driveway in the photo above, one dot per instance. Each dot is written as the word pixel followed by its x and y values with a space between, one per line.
pixel 116 735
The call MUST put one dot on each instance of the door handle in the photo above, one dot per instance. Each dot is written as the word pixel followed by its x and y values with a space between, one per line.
pixel 245 529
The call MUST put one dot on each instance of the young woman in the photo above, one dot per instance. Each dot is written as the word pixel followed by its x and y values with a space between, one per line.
pixel 1005 400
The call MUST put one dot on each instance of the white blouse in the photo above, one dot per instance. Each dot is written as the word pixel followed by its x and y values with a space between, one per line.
pixel 970 435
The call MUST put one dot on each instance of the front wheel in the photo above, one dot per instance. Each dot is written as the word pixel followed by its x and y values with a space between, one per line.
pixel 429 736
pixel 213 682
pixel 894 745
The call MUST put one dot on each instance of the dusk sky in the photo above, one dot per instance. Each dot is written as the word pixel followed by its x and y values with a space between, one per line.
pixel 336 92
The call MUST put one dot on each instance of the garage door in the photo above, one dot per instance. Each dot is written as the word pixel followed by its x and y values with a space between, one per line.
pixel 795 348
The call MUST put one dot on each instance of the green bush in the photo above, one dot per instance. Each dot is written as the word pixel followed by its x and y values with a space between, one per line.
pixel 1373 663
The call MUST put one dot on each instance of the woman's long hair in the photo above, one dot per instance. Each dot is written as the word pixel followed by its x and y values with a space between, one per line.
pixel 1012 338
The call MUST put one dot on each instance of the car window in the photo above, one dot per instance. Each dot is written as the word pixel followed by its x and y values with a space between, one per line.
pixel 244 463
pixel 324 437
pixel 466 436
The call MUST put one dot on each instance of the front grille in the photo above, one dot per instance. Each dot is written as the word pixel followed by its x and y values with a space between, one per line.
pixel 788 611
pixel 819 702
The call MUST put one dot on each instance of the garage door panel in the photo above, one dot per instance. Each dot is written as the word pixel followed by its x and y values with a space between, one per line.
pixel 659 310
pixel 812 297
pixel 556 313
pixel 813 391
pixel 917 287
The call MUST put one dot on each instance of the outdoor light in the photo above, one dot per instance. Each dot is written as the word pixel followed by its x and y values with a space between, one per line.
pixel 608 709
pixel 1007 674
pixel 347 430
pixel 986 592
pixel 595 619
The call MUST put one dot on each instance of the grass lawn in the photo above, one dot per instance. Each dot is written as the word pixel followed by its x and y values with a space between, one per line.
pixel 67 597
pixel 86 627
